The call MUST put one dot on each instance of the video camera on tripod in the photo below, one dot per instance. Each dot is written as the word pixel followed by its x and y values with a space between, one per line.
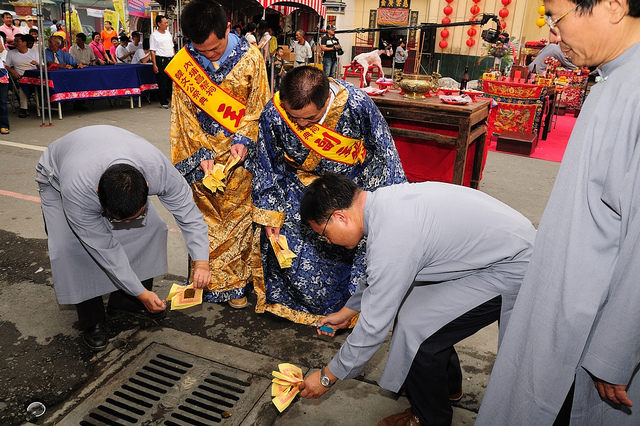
pixel 493 35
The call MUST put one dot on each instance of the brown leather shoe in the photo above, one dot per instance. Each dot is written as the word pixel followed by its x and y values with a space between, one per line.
pixel 238 303
pixel 456 397
pixel 406 418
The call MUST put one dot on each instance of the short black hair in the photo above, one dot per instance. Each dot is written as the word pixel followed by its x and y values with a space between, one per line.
pixel 28 38
pixel 586 6
pixel 251 26
pixel 145 44
pixel 81 36
pixel 326 194
pixel 304 85
pixel 123 37
pixel 7 13
pixel 108 22
pixel 201 18
pixel 33 30
pixel 159 19
pixel 122 191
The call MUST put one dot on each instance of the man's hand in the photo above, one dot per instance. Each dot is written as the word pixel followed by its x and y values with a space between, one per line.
pixel 614 393
pixel 336 320
pixel 272 230
pixel 207 165
pixel 201 274
pixel 152 302
pixel 238 150
pixel 80 65
pixel 155 69
pixel 311 387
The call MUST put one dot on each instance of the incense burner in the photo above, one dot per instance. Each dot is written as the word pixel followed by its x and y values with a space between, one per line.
pixel 415 86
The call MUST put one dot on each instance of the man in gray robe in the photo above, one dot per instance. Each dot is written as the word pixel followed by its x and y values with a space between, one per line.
pixel 572 349
pixel 439 259
pixel 105 235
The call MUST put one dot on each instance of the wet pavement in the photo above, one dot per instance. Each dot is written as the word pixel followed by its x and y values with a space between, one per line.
pixel 43 358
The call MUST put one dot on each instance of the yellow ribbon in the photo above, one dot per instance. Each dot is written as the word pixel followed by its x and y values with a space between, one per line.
pixel 208 96
pixel 325 141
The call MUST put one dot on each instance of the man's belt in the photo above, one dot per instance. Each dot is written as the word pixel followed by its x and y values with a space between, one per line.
pixel 325 141
pixel 208 96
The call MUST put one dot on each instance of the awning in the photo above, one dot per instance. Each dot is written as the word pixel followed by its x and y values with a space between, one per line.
pixel 316 5
pixel 284 10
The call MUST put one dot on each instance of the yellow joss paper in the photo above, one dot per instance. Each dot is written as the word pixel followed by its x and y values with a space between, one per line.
pixel 180 301
pixel 283 400
pixel 281 249
pixel 215 177
pixel 285 385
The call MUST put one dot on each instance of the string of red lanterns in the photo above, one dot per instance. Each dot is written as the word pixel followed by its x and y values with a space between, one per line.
pixel 504 12
pixel 471 32
pixel 448 10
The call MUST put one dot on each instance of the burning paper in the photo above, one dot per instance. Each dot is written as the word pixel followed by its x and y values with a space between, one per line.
pixel 281 249
pixel 183 297
pixel 284 386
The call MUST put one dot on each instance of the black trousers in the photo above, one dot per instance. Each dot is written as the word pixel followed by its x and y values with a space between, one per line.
pixel 164 81
pixel 435 372
pixel 91 312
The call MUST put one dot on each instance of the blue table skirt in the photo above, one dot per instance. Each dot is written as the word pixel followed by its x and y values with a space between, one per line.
pixel 95 81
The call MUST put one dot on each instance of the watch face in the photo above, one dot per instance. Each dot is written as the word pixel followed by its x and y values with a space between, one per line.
pixel 325 381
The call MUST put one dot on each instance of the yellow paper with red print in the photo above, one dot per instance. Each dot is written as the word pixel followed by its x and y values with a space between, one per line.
pixel 285 385
pixel 208 96
pixel 183 297
pixel 325 141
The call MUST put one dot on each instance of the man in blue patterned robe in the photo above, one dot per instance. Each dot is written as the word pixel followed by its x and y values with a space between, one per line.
pixel 322 277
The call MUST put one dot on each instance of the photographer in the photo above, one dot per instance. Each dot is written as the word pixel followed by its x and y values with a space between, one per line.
pixel 331 49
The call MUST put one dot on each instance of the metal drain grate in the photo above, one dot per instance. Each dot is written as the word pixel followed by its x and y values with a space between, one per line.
pixel 164 386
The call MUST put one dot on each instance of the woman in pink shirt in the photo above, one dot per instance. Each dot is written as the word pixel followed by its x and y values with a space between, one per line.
pixel 98 48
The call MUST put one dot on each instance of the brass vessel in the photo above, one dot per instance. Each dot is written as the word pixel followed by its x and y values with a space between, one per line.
pixel 415 86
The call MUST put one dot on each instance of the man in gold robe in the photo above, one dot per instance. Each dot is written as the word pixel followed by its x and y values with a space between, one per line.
pixel 233 70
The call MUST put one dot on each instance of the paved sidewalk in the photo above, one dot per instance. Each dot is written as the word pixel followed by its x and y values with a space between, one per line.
pixel 42 357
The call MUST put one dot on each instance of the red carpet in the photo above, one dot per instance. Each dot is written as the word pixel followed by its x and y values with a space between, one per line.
pixel 553 148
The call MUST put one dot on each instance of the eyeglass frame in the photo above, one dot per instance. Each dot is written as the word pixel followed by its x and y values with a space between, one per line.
pixel 322 237
pixel 551 23
pixel 139 217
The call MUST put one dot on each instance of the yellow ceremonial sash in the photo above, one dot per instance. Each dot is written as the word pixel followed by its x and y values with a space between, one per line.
pixel 208 96
pixel 325 141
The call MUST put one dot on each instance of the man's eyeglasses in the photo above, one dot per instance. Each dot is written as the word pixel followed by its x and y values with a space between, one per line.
pixel 322 236
pixel 553 22
pixel 114 220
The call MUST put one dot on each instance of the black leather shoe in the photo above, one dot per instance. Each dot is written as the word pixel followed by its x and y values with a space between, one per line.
pixel 96 337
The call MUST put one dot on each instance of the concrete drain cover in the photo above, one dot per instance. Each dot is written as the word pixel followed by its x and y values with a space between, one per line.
pixel 164 386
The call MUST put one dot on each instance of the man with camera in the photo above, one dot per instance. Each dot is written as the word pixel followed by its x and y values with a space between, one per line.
pixel 331 49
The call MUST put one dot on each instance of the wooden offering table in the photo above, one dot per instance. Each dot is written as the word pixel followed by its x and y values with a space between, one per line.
pixel 435 139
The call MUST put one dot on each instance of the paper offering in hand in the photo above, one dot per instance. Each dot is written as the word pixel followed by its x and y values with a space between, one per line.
pixel 183 297
pixel 215 177
pixel 284 386
pixel 281 249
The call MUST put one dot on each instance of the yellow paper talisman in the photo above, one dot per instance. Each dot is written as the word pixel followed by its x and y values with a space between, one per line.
pixel 215 177
pixel 178 298
pixel 325 141
pixel 285 385
pixel 208 96
pixel 281 249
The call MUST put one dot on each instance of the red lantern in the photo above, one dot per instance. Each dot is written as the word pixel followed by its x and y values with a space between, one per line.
pixel 471 42
pixel 472 32
pixel 448 10
pixel 446 20
pixel 506 2
pixel 449 1
pixel 503 24
pixel 504 12
pixel 477 1
pixel 443 44
pixel 444 33
pixel 474 9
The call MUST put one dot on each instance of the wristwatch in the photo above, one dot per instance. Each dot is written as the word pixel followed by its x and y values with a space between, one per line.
pixel 324 379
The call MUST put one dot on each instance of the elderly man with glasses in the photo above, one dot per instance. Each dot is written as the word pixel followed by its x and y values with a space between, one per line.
pixel 571 354
pixel 105 235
